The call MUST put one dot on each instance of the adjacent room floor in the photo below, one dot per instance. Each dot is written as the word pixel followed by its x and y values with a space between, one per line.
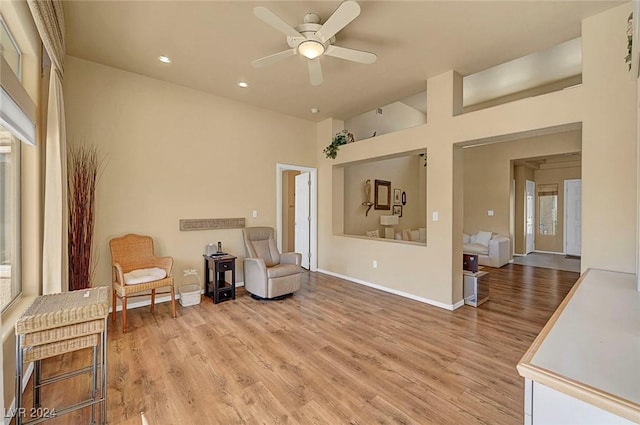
pixel 334 353
pixel 549 261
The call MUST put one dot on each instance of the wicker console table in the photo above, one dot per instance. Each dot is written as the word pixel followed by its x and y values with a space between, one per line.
pixel 58 324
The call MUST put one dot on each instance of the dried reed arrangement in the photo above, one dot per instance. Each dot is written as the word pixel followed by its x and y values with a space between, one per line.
pixel 83 168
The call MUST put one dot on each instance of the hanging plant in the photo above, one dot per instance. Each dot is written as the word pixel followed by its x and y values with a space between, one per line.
pixel 83 169
pixel 338 140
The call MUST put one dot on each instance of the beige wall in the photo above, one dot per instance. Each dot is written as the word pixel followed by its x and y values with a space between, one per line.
pixel 404 173
pixel 395 116
pixel 488 177
pixel 432 273
pixel 176 153
pixel 605 105
pixel 553 243
pixel 609 143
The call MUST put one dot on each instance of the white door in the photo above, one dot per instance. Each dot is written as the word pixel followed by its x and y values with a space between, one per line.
pixel 573 217
pixel 302 227
pixel 530 238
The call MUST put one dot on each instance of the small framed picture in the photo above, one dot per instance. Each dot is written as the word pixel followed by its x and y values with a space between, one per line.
pixel 397 210
pixel 397 196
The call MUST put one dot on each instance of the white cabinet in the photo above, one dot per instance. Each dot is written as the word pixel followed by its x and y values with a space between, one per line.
pixel 551 407
pixel 582 368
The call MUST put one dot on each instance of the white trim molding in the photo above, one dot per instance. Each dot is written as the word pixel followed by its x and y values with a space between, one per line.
pixel 162 299
pixel 434 303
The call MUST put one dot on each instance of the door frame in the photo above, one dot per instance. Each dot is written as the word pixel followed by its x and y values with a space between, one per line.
pixel 526 213
pixel 565 214
pixel 302 181
pixel 313 209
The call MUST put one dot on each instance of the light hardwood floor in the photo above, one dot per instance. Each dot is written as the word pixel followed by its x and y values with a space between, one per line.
pixel 334 353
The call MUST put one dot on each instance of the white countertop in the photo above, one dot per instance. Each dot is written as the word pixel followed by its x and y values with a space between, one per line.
pixel 590 348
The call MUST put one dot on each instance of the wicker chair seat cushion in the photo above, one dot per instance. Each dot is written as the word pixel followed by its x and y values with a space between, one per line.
pixel 135 277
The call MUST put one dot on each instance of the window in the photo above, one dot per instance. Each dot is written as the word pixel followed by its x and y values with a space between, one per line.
pixel 10 281
pixel 9 49
pixel 15 126
pixel 548 208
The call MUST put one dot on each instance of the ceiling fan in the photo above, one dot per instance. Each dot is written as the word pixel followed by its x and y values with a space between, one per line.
pixel 312 40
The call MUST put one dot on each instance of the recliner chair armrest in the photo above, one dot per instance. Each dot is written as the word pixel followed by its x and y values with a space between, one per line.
pixel 255 269
pixel 291 258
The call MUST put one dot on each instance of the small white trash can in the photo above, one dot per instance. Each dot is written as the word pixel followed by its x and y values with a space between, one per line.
pixel 189 292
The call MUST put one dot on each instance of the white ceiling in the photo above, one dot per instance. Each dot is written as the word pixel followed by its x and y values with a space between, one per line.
pixel 212 44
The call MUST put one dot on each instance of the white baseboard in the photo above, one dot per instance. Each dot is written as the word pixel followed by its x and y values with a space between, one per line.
pixel 159 299
pixel 450 307
pixel 548 252
pixel 458 304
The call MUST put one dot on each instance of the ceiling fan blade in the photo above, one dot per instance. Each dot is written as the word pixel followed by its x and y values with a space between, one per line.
pixel 271 59
pixel 315 71
pixel 351 54
pixel 274 20
pixel 344 14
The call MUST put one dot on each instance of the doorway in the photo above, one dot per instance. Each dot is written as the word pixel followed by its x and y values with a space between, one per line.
pixel 296 212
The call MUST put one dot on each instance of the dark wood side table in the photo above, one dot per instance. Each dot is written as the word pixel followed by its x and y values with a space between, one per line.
pixel 470 262
pixel 215 283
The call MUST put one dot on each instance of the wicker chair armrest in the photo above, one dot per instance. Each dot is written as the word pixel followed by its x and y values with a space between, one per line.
pixel 117 274
pixel 165 263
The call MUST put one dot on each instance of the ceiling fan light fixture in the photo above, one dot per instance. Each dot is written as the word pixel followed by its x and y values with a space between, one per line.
pixel 311 49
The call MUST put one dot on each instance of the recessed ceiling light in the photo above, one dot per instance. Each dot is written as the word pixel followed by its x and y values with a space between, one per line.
pixel 164 59
pixel 315 110
pixel 243 84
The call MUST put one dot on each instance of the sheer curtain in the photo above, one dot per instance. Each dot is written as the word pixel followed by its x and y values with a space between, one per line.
pixel 49 19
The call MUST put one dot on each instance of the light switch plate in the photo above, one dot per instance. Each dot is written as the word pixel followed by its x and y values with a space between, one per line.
pixel 434 216
pixel 490 213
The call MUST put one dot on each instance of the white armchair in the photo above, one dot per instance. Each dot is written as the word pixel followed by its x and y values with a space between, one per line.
pixel 493 250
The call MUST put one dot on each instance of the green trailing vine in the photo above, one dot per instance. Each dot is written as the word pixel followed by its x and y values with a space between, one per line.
pixel 338 140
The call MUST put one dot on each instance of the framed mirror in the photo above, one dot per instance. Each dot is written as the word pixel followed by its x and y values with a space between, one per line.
pixel 382 195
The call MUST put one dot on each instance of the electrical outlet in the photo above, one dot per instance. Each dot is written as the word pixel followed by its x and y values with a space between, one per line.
pixel 374 264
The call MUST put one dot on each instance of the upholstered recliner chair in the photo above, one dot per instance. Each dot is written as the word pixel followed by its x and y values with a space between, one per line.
pixel 267 273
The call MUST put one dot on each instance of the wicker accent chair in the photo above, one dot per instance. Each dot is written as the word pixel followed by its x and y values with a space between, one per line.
pixel 267 273
pixel 136 269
